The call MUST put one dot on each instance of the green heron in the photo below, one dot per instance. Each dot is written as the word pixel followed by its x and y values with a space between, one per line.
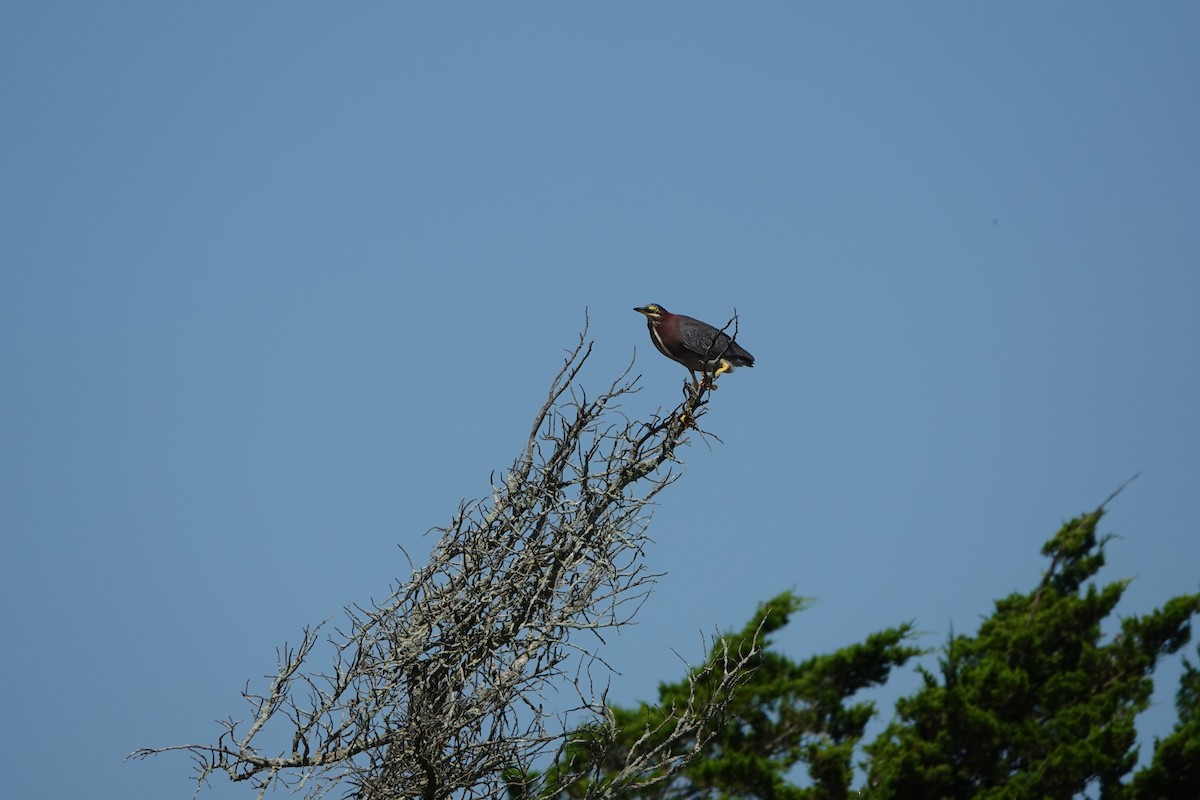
pixel 697 345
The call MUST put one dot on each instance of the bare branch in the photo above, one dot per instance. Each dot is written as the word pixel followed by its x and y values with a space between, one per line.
pixel 448 685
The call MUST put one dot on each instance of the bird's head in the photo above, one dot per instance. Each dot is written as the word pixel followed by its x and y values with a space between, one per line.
pixel 654 312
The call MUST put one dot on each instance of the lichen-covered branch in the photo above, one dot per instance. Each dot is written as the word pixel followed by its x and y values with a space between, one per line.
pixel 457 678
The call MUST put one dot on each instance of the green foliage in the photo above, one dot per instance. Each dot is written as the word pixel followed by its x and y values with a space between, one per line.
pixel 791 713
pixel 1036 704
pixel 1175 768
pixel 786 713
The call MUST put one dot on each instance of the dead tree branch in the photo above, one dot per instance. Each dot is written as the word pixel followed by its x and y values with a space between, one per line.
pixel 456 679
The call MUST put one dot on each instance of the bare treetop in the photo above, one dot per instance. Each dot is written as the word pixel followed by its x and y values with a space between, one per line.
pixel 453 686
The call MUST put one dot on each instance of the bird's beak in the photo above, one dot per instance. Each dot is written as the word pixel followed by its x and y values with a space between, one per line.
pixel 642 311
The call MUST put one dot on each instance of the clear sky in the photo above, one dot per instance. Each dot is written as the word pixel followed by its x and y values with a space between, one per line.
pixel 281 283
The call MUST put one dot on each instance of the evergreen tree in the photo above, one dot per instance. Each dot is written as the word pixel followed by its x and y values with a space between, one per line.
pixel 1038 704
pixel 1175 769
pixel 784 714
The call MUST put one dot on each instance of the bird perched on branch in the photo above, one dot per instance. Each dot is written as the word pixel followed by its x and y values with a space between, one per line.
pixel 697 345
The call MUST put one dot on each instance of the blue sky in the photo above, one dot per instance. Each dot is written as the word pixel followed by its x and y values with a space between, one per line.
pixel 281 283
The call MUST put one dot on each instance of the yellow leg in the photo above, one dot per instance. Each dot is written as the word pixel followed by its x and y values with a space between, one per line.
pixel 711 380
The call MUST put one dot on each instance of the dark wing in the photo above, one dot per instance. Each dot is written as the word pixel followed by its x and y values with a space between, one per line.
pixel 709 342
